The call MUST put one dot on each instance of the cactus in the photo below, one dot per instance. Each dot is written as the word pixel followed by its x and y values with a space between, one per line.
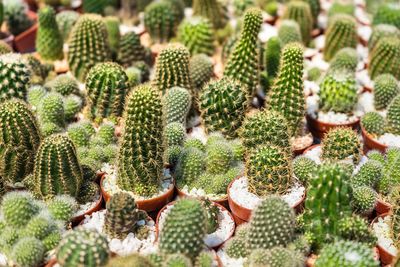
pixel 176 104
pixel 87 45
pixel 197 35
pixel 381 31
pixel 274 214
pixel 387 14
pixel 172 68
pixel 19 140
pixel 205 259
pixel 243 63
pixel 286 95
pixel 276 256
pixel 130 49
pixel 72 105
pixel 49 42
pixel 219 157
pixel 364 199
pixel 236 247
pixel 28 252
pixel 223 105
pixel 192 142
pixel 289 31
pixel 346 59
pixel 228 47
pixel 394 198
pixel 130 260
pixel 51 109
pixel 213 10
pixel 14 77
pixel 341 33
pixel 393 116
pixel 91 247
pixel 356 228
pixel 341 143
pixel 18 208
pixel 327 201
pixel 40 227
pixel 64 84
pixel 373 123
pixel 174 134
pixel 272 56
pixel 369 174
pixel 171 155
pixel 382 58
pixel 301 13
pixel 341 7
pixel 211 214
pixel 313 74
pixel 78 134
pixel 217 184
pixel 391 171
pixel 160 21
pixel 93 6
pixel 50 128
pixel 57 153
pixel 38 71
pixel 177 260
pixel 183 229
pixel 336 254
pixel 66 19
pixel 201 69
pixel 338 93
pixel 113 34
pixel 16 16
pixel 241 6
pixel 304 168
pixel 107 133
pixel 376 155
pixel 386 88
pixel 264 127
pixel 107 86
pixel 190 166
pixel 140 155
pixel 134 76
pixel 62 207
pixel 315 7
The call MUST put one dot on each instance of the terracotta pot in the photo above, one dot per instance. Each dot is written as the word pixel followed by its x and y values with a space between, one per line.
pixel 222 208
pixel 310 262
pixel 384 255
pixel 76 220
pixel 222 201
pixel 301 151
pixel 148 205
pixel 319 128
pixel 316 32
pixel 370 143
pixel 51 263
pixel 25 41
pixel 382 207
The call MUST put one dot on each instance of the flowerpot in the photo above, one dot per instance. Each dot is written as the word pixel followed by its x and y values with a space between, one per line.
pixel 310 262
pixel 222 201
pixel 319 128
pixel 370 143
pixel 148 205
pixel 299 149
pixel 77 219
pixel 385 257
pixel 382 207
pixel 25 41
pixel 51 262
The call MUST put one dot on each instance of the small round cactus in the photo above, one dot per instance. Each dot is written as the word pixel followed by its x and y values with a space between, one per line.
pixel 201 70
pixel 219 157
pixel 386 87
pixel 174 134
pixel 28 252
pixel 373 123
pixel 345 59
pixel 369 174
pixel 14 77
pixel 289 31
pixel 303 168
pixel 72 105
pixel 388 13
pixel 381 31
pixel 51 109
pixel 383 58
pixel 356 228
pixel 190 166
pixel 176 104
pixel 160 21
pixel 62 207
pixel 276 256
pixel 78 134
pixel 64 84
pixel 66 19
pixel 35 95
pixel 18 208
pixel 107 133
pixel 364 199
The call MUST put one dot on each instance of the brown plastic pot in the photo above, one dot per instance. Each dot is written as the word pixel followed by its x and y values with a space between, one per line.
pixel 148 205
pixel 319 128
pixel 77 219
pixel 222 201
pixel 370 143
pixel 382 207
pixel 385 257
pixel 25 41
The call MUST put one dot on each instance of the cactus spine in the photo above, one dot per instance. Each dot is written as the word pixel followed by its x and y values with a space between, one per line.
pixel 386 87
pixel 381 31
pixel 160 21
pixel 176 104
pixel 373 123
pixel 201 70
pixel 393 116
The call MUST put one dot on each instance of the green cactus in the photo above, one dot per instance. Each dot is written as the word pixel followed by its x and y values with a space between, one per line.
pixel 387 14
pixel 83 247
pixel 197 35
pixel 274 214
pixel 236 247
pixel 338 93
pixel 140 156
pixel 219 157
pixel 130 49
pixel 376 155
pixel 373 123
pixel 304 168
pixel 14 77
pixel 93 6
pixel 72 105
pixel 51 109
pixel 183 229
pixel 272 56
pixel 301 13
pixel 16 16
pixel 228 47
pixel 241 6
pixel 341 143
pixel 57 153
pixel 381 31
pixel 213 10
pixel 130 260
pixel 391 170
pixel 341 7
pixel 160 21
pixel 211 214
pixel 174 134
pixel 276 256
pixel 386 87
pixel 382 58
pixel 64 84
pixel 107 133
pixel 49 42
pixel 40 227
pixel 190 166
pixel 171 155
pixel 364 199
pixel 243 63
pixel 192 142
pixel 28 252
pixel 217 184
pixel 223 105
pixel 205 259
pixel 314 74
pixel 286 95
pixel 50 128
pixel 369 174
pixel 341 33
pixel 78 134
pixel 356 228
pixel 345 59
pixel 18 208
pixel 19 140
pixel 327 201
pixel 113 34
pixel 134 76
pixel 394 198
pixel 66 19
pixel 88 126
pixel 264 127
pixel 177 260
pixel 87 45
pixel 176 104
pixel 62 207
pixel 201 69
pixel 393 116
pixel 315 8
pixel 289 31
pixel 337 254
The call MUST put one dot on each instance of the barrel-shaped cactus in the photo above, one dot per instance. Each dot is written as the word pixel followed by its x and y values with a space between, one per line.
pixel 386 87
pixel 160 21
pixel 214 10
pixel 130 49
pixel 201 69
pixel 341 143
pixel 289 31
pixel 300 12
pixel 373 123
pixel 176 104
pixel 66 19
pixel 64 84
pixel 14 77
pixel 346 59
pixel 383 58
pixel 381 31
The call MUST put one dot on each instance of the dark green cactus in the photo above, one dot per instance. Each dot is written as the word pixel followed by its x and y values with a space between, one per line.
pixel 301 13
pixel 66 19
pixel 160 21
pixel 345 59
pixel 174 134
pixel 213 10
pixel 16 16
pixel 381 31
pixel 18 208
pixel 113 34
pixel 386 87
pixel 51 109
pixel 201 69
pixel 304 168
pixel 383 58
pixel 14 77
pixel 93 6
pixel 130 49
pixel 388 13
pixel 272 56
pixel 176 104
pixel 289 31
pixel 373 123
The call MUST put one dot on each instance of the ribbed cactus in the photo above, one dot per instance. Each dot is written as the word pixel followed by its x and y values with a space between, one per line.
pixel 341 143
pixel 72 105
pixel 383 58
pixel 140 156
pixel 16 16
pixel 57 170
pixel 223 105
pixel 205 259
pixel 197 35
pixel 66 19
pixel 183 229
pixel 304 168
pixel 201 69
pixel 190 166
pixel 381 31
pixel 369 174
pixel 28 252
pixel 373 123
pixel 289 31
pixel 394 198
pixel 286 95
pixel 272 56
pixel 176 104
pixel 83 247
pixel 19 140
pixel 264 127
pixel 94 6
pixel 160 21
pixel 107 86
pixel 386 87
pixel 113 34
pixel 315 8
pixel 341 33
pixel 243 63
pixel 14 77
pixel 87 45
pixel 276 256
pixel 341 7
pixel 49 42
pixel 388 13
pixel 391 170
pixel 219 157
pixel 338 93
pixel 364 200
pixel 172 68
pixel 214 10
pixel 393 116
pixel 130 49
pixel 345 59
pixel 301 13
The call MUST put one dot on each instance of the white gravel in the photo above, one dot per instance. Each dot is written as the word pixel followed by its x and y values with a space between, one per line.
pixel 198 192
pixel 228 261
pixel 364 32
pixel 363 79
pixel 382 231
pixel 314 154
pixel 389 139
pixel 310 88
pixel 87 206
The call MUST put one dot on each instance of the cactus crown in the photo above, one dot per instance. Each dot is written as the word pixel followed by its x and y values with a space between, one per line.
pixel 64 84
pixel 364 199
pixel 14 77
pixel 304 168
pixel 388 13
pixel 300 12
pixel 383 58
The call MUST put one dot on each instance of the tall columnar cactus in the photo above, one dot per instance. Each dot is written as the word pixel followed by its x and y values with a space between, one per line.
pixel 87 45
pixel 346 59
pixel 66 19
pixel 381 31
pixel 16 16
pixel 387 14
pixel 160 21
pixel 14 77
pixel 107 86
pixel 172 68
pixel 197 35
pixel 223 105
pixel 272 224
pixel 373 123
pixel 341 33
pixel 272 56
pixel 243 63
pixel 83 247
pixel 176 104
pixel 201 69
pixel 19 140
pixel 338 92
pixel 301 13
pixel 264 127
pixel 213 10
pixel 386 87
pixel 140 160
pixel 269 170
pixel 286 95
pixel 183 229
pixel 315 7
pixel 383 58
pixel 49 42
pixel 289 31
pixel 393 116
pixel 341 143
pixel 57 170
pixel 130 49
